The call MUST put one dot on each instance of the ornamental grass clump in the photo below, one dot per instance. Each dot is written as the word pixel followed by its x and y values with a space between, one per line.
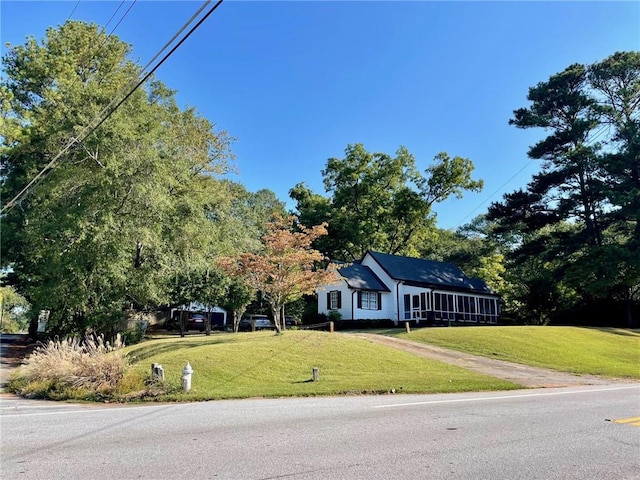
pixel 88 365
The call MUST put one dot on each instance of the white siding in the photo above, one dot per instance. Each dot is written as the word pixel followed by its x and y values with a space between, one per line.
pixel 386 312
pixel 342 287
pixel 389 299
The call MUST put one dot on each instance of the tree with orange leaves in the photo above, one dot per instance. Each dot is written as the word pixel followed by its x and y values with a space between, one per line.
pixel 286 269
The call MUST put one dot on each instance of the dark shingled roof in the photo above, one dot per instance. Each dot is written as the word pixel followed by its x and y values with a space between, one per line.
pixel 427 272
pixel 361 277
pixel 480 285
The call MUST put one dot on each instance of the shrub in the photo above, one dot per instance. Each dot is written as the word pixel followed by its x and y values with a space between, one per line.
pixel 67 365
pixel 136 334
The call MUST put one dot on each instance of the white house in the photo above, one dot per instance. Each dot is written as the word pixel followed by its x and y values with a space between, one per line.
pixel 391 287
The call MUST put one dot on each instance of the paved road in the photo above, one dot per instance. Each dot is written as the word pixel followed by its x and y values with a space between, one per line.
pixel 560 433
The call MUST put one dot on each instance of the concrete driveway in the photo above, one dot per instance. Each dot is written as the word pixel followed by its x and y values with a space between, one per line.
pixel 525 375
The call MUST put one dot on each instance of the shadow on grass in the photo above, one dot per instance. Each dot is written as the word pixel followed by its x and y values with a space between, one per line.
pixel 625 332
pixel 145 351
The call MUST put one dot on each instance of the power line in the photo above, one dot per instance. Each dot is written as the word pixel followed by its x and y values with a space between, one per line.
pixel 114 14
pixel 73 10
pixel 123 16
pixel 494 193
pixel 591 141
pixel 95 53
pixel 97 121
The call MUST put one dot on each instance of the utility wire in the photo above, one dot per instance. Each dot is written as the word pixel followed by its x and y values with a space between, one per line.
pixel 97 50
pixel 96 122
pixel 495 192
pixel 73 10
pixel 591 141
pixel 121 18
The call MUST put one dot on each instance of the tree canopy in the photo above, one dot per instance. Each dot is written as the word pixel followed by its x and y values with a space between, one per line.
pixel 580 216
pixel 380 202
pixel 126 209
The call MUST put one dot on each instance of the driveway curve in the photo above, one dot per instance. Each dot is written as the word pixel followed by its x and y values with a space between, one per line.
pixel 525 375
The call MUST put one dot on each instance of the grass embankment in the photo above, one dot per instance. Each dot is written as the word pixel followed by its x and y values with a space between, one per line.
pixel 262 364
pixel 608 352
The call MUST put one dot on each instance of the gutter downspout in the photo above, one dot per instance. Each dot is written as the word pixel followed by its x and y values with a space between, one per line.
pixel 352 307
pixel 397 303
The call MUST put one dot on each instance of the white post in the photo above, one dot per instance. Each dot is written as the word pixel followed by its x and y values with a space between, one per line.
pixel 157 372
pixel 187 372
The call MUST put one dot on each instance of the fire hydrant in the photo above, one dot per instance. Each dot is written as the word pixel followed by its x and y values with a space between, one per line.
pixel 186 377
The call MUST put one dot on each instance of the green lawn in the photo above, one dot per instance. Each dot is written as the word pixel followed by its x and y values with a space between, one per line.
pixel 598 351
pixel 262 364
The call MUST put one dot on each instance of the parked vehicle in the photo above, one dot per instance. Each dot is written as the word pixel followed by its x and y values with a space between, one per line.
pixel 291 321
pixel 196 321
pixel 193 321
pixel 262 322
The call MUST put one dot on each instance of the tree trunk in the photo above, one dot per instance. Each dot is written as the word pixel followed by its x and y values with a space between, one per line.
pixel 276 317
pixel 629 311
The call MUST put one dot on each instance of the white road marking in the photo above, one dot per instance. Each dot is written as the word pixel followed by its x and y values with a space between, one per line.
pixel 503 397
pixel 88 410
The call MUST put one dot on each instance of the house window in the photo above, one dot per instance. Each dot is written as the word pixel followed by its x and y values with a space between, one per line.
pixel 369 300
pixel 334 298
pixel 407 307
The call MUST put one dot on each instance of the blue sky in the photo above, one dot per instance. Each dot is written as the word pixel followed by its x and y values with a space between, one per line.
pixel 295 82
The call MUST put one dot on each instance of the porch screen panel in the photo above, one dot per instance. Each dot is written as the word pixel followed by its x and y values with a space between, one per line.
pixel 488 310
pixel 444 306
pixel 407 306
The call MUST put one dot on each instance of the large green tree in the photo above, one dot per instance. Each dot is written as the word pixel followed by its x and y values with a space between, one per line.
pixel 379 201
pixel 580 214
pixel 125 209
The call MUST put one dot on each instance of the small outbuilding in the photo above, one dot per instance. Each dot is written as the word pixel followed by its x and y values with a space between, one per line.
pixel 216 315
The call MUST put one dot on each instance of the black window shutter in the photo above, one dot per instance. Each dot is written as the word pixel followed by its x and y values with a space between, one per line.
pixel 379 301
pixel 359 299
pixel 339 299
pixel 328 300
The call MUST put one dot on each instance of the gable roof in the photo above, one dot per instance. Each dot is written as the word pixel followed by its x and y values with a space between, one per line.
pixel 422 272
pixel 480 285
pixel 362 277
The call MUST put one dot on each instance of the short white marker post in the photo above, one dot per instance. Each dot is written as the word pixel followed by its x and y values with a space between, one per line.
pixel 316 374
pixel 187 372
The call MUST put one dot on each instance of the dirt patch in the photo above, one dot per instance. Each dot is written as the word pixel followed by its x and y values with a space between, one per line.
pixel 525 375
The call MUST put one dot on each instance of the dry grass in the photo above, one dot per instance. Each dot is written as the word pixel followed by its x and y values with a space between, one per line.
pixel 71 363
